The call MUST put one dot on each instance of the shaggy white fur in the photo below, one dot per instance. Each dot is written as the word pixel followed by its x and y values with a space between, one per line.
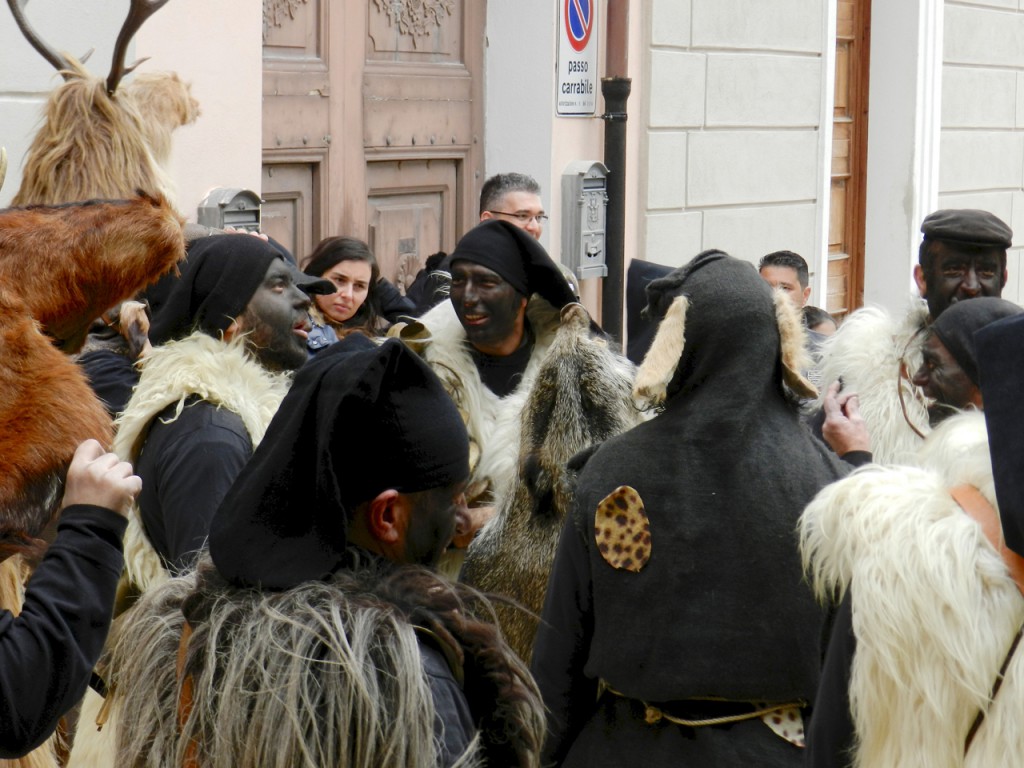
pixel 492 421
pixel 865 353
pixel 221 373
pixel 934 607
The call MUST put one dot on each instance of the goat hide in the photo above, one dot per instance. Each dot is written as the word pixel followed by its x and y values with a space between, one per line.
pixel 581 397
pixel 70 263
pixel 47 409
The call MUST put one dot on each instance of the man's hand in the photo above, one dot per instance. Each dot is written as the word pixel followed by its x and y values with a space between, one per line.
pixel 844 428
pixel 100 479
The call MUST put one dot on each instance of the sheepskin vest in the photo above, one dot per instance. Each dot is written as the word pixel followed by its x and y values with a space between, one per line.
pixel 865 353
pixel 221 373
pixel 934 608
pixel 492 421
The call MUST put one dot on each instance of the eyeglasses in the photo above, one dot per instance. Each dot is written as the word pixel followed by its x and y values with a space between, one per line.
pixel 523 217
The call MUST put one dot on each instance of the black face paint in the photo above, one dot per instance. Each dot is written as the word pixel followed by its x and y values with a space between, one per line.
pixel 943 380
pixel 487 306
pixel 276 322
pixel 958 274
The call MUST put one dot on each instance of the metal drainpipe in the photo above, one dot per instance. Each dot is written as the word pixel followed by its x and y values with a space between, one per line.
pixel 615 87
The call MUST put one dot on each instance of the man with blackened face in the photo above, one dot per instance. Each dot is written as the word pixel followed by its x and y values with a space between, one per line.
pixel 488 342
pixel 962 256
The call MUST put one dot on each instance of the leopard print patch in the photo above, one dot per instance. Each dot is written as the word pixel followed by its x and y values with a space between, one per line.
pixel 622 530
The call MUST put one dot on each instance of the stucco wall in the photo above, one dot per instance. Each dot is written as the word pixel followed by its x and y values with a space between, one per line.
pixel 732 151
pixel 221 149
pixel 982 141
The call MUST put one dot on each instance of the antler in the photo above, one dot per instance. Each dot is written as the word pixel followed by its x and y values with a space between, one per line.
pixel 138 12
pixel 56 59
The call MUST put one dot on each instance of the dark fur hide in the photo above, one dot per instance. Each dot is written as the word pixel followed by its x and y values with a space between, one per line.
pixel 46 410
pixel 582 397
pixel 70 263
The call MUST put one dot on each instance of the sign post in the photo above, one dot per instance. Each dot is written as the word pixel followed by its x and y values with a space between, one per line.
pixel 577 58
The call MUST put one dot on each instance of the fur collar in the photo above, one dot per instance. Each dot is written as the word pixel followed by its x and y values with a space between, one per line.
pixel 492 421
pixel 219 372
pixel 934 607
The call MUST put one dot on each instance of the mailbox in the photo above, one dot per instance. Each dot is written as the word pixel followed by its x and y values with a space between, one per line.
pixel 584 206
pixel 230 207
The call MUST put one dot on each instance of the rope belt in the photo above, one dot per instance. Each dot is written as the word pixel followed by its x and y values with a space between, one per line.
pixel 654 714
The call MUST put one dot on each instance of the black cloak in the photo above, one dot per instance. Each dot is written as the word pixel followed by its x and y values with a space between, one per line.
pixel 721 609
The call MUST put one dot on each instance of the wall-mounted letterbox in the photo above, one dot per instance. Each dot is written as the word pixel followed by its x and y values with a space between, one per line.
pixel 230 207
pixel 584 204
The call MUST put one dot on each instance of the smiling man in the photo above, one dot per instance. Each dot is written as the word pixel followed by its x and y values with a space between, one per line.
pixel 230 330
pixel 488 342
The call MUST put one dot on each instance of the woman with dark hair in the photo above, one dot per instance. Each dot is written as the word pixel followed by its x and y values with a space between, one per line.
pixel 355 305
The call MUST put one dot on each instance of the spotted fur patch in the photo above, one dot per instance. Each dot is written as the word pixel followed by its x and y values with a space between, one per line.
pixel 622 530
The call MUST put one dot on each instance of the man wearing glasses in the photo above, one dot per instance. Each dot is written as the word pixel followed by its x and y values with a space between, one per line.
pixel 515 198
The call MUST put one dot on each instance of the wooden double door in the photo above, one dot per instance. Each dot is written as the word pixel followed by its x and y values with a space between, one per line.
pixel 372 124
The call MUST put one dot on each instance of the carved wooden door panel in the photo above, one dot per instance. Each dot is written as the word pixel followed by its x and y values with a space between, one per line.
pixel 849 159
pixel 373 116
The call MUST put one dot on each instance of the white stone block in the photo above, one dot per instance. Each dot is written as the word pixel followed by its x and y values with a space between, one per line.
pixel 1012 4
pixel 983 36
pixel 750 233
pixel 779 25
pixel 666 170
pixel 979 97
pixel 1016 220
pixel 980 160
pixel 673 238
pixel 1020 96
pixel 676 89
pixel 670 22
pixel 736 167
pixel 998 203
pixel 763 91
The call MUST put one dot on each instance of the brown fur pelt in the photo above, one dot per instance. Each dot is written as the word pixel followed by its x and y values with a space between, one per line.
pixel 582 396
pixel 70 263
pixel 93 145
pixel 47 409
pixel 165 104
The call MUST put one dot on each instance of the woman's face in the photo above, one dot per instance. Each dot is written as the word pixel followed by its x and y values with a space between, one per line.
pixel 352 279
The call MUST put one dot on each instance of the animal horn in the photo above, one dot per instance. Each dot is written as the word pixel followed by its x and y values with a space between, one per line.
pixel 793 349
pixel 138 12
pixel 58 60
pixel 662 359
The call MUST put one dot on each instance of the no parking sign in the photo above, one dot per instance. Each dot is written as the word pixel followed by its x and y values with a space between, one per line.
pixel 577 58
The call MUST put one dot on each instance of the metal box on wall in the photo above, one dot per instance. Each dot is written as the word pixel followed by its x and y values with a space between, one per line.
pixel 230 207
pixel 584 205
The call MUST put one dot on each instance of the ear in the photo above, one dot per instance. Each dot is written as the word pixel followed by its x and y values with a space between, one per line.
pixel 662 359
pixel 807 294
pixel 486 215
pixel 234 329
pixel 386 517
pixel 793 347
pixel 922 284
pixel 1006 274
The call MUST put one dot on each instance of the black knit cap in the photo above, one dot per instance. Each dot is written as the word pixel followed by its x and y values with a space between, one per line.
pixel 359 419
pixel 969 226
pixel 219 276
pixel 1000 349
pixel 516 255
pixel 957 325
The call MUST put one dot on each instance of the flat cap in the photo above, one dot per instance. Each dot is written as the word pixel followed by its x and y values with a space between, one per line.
pixel 967 225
